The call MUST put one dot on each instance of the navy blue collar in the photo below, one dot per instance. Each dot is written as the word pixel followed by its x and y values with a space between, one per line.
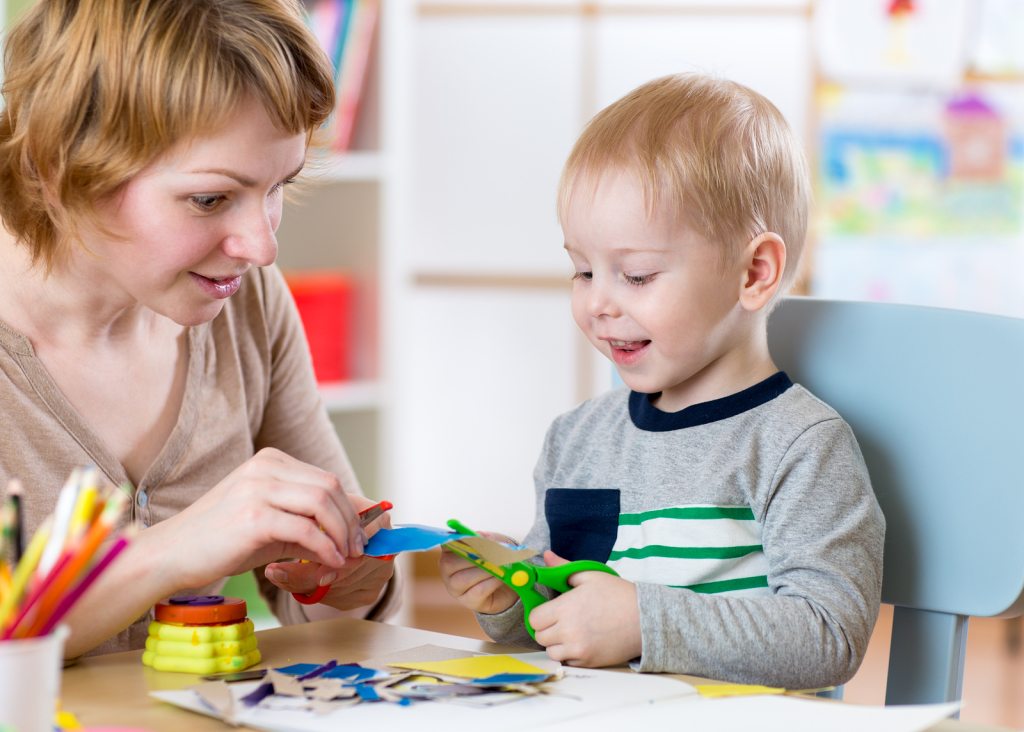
pixel 647 417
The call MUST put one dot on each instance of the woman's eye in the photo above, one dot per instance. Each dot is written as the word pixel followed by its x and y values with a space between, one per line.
pixel 279 186
pixel 206 202
pixel 638 280
pixel 586 276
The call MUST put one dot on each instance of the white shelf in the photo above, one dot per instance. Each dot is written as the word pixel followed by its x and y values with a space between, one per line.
pixel 350 396
pixel 363 165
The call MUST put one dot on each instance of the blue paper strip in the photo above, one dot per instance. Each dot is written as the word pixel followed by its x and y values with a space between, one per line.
pixel 367 692
pixel 507 678
pixel 408 538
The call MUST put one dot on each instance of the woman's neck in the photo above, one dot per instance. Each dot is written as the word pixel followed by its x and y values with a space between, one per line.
pixel 68 304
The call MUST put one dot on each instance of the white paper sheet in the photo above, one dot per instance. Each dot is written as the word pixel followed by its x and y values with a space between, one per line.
pixel 766 714
pixel 583 692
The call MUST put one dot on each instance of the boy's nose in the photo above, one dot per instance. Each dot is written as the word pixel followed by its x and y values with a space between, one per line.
pixel 601 300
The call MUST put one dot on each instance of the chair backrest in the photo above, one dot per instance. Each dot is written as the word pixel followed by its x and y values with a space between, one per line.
pixel 936 400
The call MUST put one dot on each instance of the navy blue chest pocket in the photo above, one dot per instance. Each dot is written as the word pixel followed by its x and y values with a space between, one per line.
pixel 583 522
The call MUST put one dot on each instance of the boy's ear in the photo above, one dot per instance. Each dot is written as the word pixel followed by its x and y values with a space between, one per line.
pixel 764 260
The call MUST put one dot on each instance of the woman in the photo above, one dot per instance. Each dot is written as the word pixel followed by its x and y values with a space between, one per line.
pixel 144 148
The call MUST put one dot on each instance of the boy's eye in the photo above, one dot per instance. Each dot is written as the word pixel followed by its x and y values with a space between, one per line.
pixel 638 280
pixel 586 276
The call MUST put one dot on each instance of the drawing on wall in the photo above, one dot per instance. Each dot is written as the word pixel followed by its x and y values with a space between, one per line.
pixel 922 163
pixel 919 179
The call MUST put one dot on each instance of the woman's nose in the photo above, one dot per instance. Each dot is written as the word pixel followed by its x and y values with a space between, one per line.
pixel 253 239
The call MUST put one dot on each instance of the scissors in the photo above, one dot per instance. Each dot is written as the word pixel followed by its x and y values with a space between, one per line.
pixel 365 517
pixel 522 576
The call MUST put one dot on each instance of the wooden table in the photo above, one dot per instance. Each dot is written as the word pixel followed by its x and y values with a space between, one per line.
pixel 114 689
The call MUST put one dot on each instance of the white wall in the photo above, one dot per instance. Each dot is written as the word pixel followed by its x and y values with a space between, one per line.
pixel 498 99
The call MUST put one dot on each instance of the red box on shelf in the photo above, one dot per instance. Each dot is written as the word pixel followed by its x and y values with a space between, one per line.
pixel 324 300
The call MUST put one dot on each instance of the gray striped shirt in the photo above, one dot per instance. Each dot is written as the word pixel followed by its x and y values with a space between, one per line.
pixel 748 524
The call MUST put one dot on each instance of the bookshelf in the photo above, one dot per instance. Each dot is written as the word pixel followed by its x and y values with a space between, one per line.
pixel 338 221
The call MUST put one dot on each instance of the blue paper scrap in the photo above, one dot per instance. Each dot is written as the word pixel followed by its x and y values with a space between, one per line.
pixel 348 671
pixel 408 538
pixel 508 678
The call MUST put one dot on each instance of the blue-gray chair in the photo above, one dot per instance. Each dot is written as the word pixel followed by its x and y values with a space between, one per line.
pixel 936 400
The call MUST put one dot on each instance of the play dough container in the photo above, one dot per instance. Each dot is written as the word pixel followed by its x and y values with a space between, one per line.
pixel 201 634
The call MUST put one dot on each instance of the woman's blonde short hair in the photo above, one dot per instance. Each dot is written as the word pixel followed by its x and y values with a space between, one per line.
pixel 717 156
pixel 95 90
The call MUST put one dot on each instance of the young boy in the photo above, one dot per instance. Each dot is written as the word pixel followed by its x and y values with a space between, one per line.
pixel 734 505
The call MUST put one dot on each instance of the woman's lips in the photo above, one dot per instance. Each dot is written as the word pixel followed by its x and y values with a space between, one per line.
pixel 218 288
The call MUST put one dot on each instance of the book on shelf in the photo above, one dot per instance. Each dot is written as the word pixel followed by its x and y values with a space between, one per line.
pixel 346 30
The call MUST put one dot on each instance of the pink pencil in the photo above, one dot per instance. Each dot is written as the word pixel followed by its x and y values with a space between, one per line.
pixel 71 598
pixel 34 595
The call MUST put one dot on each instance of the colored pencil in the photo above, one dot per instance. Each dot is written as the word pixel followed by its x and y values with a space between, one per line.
pixel 18 628
pixel 61 520
pixel 67 601
pixel 23 572
pixel 79 557
pixel 14 493
pixel 10 515
pixel 85 505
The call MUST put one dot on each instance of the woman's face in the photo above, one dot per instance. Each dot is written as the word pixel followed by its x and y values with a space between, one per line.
pixel 184 230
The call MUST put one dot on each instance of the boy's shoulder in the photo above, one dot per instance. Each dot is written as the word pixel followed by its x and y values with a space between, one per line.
pixel 608 411
pixel 798 404
pixel 611 404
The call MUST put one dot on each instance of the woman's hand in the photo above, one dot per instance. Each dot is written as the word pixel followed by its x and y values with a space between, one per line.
pixel 359 582
pixel 269 508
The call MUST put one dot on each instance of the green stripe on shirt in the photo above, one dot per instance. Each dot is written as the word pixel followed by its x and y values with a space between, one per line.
pixel 686 552
pixel 741 583
pixel 739 513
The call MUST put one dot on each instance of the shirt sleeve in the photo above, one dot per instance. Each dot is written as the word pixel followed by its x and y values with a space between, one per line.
pixel 509 626
pixel 823 536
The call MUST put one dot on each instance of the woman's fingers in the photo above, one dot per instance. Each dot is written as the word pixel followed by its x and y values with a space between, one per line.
pixel 296 487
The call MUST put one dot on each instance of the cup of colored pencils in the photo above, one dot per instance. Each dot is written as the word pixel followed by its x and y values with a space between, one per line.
pixel 41 582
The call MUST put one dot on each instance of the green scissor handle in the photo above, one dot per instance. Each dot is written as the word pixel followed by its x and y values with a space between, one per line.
pixel 523 576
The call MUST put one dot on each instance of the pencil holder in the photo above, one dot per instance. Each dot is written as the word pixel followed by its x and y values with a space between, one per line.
pixel 201 634
pixel 30 680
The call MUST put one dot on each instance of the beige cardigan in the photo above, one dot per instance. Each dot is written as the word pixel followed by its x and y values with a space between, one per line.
pixel 250 385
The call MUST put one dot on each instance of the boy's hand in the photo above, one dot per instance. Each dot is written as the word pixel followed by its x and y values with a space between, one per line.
pixel 474 588
pixel 596 624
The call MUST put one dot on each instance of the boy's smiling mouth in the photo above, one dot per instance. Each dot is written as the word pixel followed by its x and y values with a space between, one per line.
pixel 626 353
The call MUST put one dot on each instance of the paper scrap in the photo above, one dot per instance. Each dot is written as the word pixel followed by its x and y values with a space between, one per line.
pixel 217 695
pixel 716 691
pixel 473 667
pixel 496 552
pixel 426 652
pixel 285 684
pixel 407 538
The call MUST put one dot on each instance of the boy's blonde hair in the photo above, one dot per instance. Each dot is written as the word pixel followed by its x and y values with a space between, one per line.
pixel 717 156
pixel 95 90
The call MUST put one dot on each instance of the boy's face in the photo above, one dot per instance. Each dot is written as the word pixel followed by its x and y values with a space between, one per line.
pixel 654 297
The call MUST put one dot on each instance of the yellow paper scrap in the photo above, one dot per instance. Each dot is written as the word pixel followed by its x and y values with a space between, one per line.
pixel 714 691
pixel 473 667
pixel 495 553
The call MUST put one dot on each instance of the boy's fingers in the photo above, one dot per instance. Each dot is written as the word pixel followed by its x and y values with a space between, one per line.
pixel 553 560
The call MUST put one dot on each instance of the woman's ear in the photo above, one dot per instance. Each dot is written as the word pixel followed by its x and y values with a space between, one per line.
pixel 765 262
